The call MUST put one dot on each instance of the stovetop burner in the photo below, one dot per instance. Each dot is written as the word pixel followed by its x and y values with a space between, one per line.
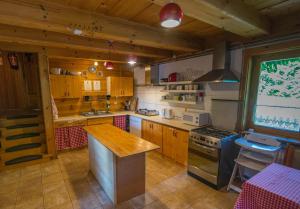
pixel 213 132
pixel 147 112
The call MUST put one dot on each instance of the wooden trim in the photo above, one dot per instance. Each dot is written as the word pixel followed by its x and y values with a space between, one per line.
pixel 233 16
pixel 52 39
pixel 250 57
pixel 46 103
pixel 46 15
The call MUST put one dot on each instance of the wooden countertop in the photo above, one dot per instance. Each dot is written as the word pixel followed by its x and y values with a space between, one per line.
pixel 121 143
pixel 158 119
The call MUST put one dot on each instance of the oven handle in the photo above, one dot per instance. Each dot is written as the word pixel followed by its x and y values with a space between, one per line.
pixel 205 147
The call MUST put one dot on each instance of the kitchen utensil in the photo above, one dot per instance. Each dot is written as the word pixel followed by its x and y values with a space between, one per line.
pixel 173 77
pixel 55 71
pixel 75 73
pixel 167 113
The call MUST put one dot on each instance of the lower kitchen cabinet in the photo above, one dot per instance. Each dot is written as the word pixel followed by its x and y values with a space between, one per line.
pixel 175 144
pixel 152 132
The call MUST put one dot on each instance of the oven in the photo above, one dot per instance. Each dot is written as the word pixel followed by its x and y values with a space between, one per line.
pixel 203 161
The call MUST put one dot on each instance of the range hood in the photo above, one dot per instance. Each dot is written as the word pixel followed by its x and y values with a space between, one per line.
pixel 221 66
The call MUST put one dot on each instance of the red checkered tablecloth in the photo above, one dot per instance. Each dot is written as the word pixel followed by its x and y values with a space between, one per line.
pixel 120 122
pixel 70 137
pixel 275 187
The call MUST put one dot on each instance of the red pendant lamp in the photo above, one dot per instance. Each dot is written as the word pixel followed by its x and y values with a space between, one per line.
pixel 170 15
pixel 109 65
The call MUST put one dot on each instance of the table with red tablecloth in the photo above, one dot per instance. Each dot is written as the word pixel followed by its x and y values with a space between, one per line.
pixel 275 187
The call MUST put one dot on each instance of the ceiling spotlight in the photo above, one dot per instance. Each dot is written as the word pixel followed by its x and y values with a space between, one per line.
pixel 170 15
pixel 132 59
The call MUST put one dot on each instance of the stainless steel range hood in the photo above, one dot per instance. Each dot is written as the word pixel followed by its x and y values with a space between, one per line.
pixel 221 66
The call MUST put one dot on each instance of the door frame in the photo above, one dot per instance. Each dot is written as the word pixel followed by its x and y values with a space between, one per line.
pixel 44 79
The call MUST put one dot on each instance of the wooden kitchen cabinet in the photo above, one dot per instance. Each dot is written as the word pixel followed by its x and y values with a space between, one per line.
pixel 152 132
pixel 65 86
pixel 97 121
pixel 120 86
pixel 175 144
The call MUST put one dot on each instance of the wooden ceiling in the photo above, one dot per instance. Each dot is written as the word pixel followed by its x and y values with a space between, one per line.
pixel 136 23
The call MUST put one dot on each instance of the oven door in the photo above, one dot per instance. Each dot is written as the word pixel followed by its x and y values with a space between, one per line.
pixel 203 161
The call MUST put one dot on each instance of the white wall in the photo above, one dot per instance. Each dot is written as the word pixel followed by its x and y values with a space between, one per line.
pixel 223 114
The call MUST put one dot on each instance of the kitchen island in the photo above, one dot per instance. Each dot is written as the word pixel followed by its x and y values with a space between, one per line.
pixel 117 160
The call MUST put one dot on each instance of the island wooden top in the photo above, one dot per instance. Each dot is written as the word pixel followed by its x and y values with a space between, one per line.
pixel 120 142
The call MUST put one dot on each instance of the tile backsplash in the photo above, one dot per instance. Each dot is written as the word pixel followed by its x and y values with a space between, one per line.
pixel 223 114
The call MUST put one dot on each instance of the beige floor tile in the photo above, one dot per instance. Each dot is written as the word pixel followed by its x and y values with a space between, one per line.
pixel 56 197
pixel 52 186
pixel 63 206
pixel 10 176
pixel 34 203
pixel 52 178
pixel 30 191
pixel 8 200
pixel 67 183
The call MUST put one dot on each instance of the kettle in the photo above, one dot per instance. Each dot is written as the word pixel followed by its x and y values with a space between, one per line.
pixel 167 113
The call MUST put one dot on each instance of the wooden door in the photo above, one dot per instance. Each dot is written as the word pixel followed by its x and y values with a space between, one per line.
pixel 157 135
pixel 168 141
pixel 74 87
pixel 181 146
pixel 58 86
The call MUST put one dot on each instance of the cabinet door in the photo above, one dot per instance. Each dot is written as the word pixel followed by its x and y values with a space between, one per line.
pixel 146 130
pixel 181 146
pixel 74 87
pixel 114 86
pixel 157 135
pixel 127 86
pixel 58 86
pixel 168 141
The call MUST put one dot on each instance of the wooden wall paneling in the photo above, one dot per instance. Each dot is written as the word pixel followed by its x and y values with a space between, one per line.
pixel 46 102
pixel 76 106
pixel 60 18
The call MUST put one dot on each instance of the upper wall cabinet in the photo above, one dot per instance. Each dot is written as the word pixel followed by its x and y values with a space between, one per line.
pixel 120 86
pixel 65 86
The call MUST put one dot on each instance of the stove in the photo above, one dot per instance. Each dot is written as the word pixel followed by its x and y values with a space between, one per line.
pixel 211 155
pixel 147 112
pixel 210 136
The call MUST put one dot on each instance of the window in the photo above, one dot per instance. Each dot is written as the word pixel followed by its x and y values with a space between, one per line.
pixel 278 94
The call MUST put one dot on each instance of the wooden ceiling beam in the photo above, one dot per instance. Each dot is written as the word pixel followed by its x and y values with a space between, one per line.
pixel 60 40
pixel 53 52
pixel 231 15
pixel 45 15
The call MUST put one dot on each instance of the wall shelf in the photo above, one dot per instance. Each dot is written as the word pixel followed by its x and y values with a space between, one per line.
pixel 183 91
pixel 179 102
pixel 177 83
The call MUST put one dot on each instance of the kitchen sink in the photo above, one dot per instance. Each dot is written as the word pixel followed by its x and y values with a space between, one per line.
pixel 89 114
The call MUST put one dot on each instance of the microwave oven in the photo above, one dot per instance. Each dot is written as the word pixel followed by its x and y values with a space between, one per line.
pixel 196 118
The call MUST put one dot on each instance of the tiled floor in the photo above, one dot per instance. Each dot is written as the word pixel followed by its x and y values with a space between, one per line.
pixel 66 183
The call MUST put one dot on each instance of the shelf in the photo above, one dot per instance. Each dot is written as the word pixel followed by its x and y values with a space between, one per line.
pixel 183 91
pixel 177 83
pixel 179 102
